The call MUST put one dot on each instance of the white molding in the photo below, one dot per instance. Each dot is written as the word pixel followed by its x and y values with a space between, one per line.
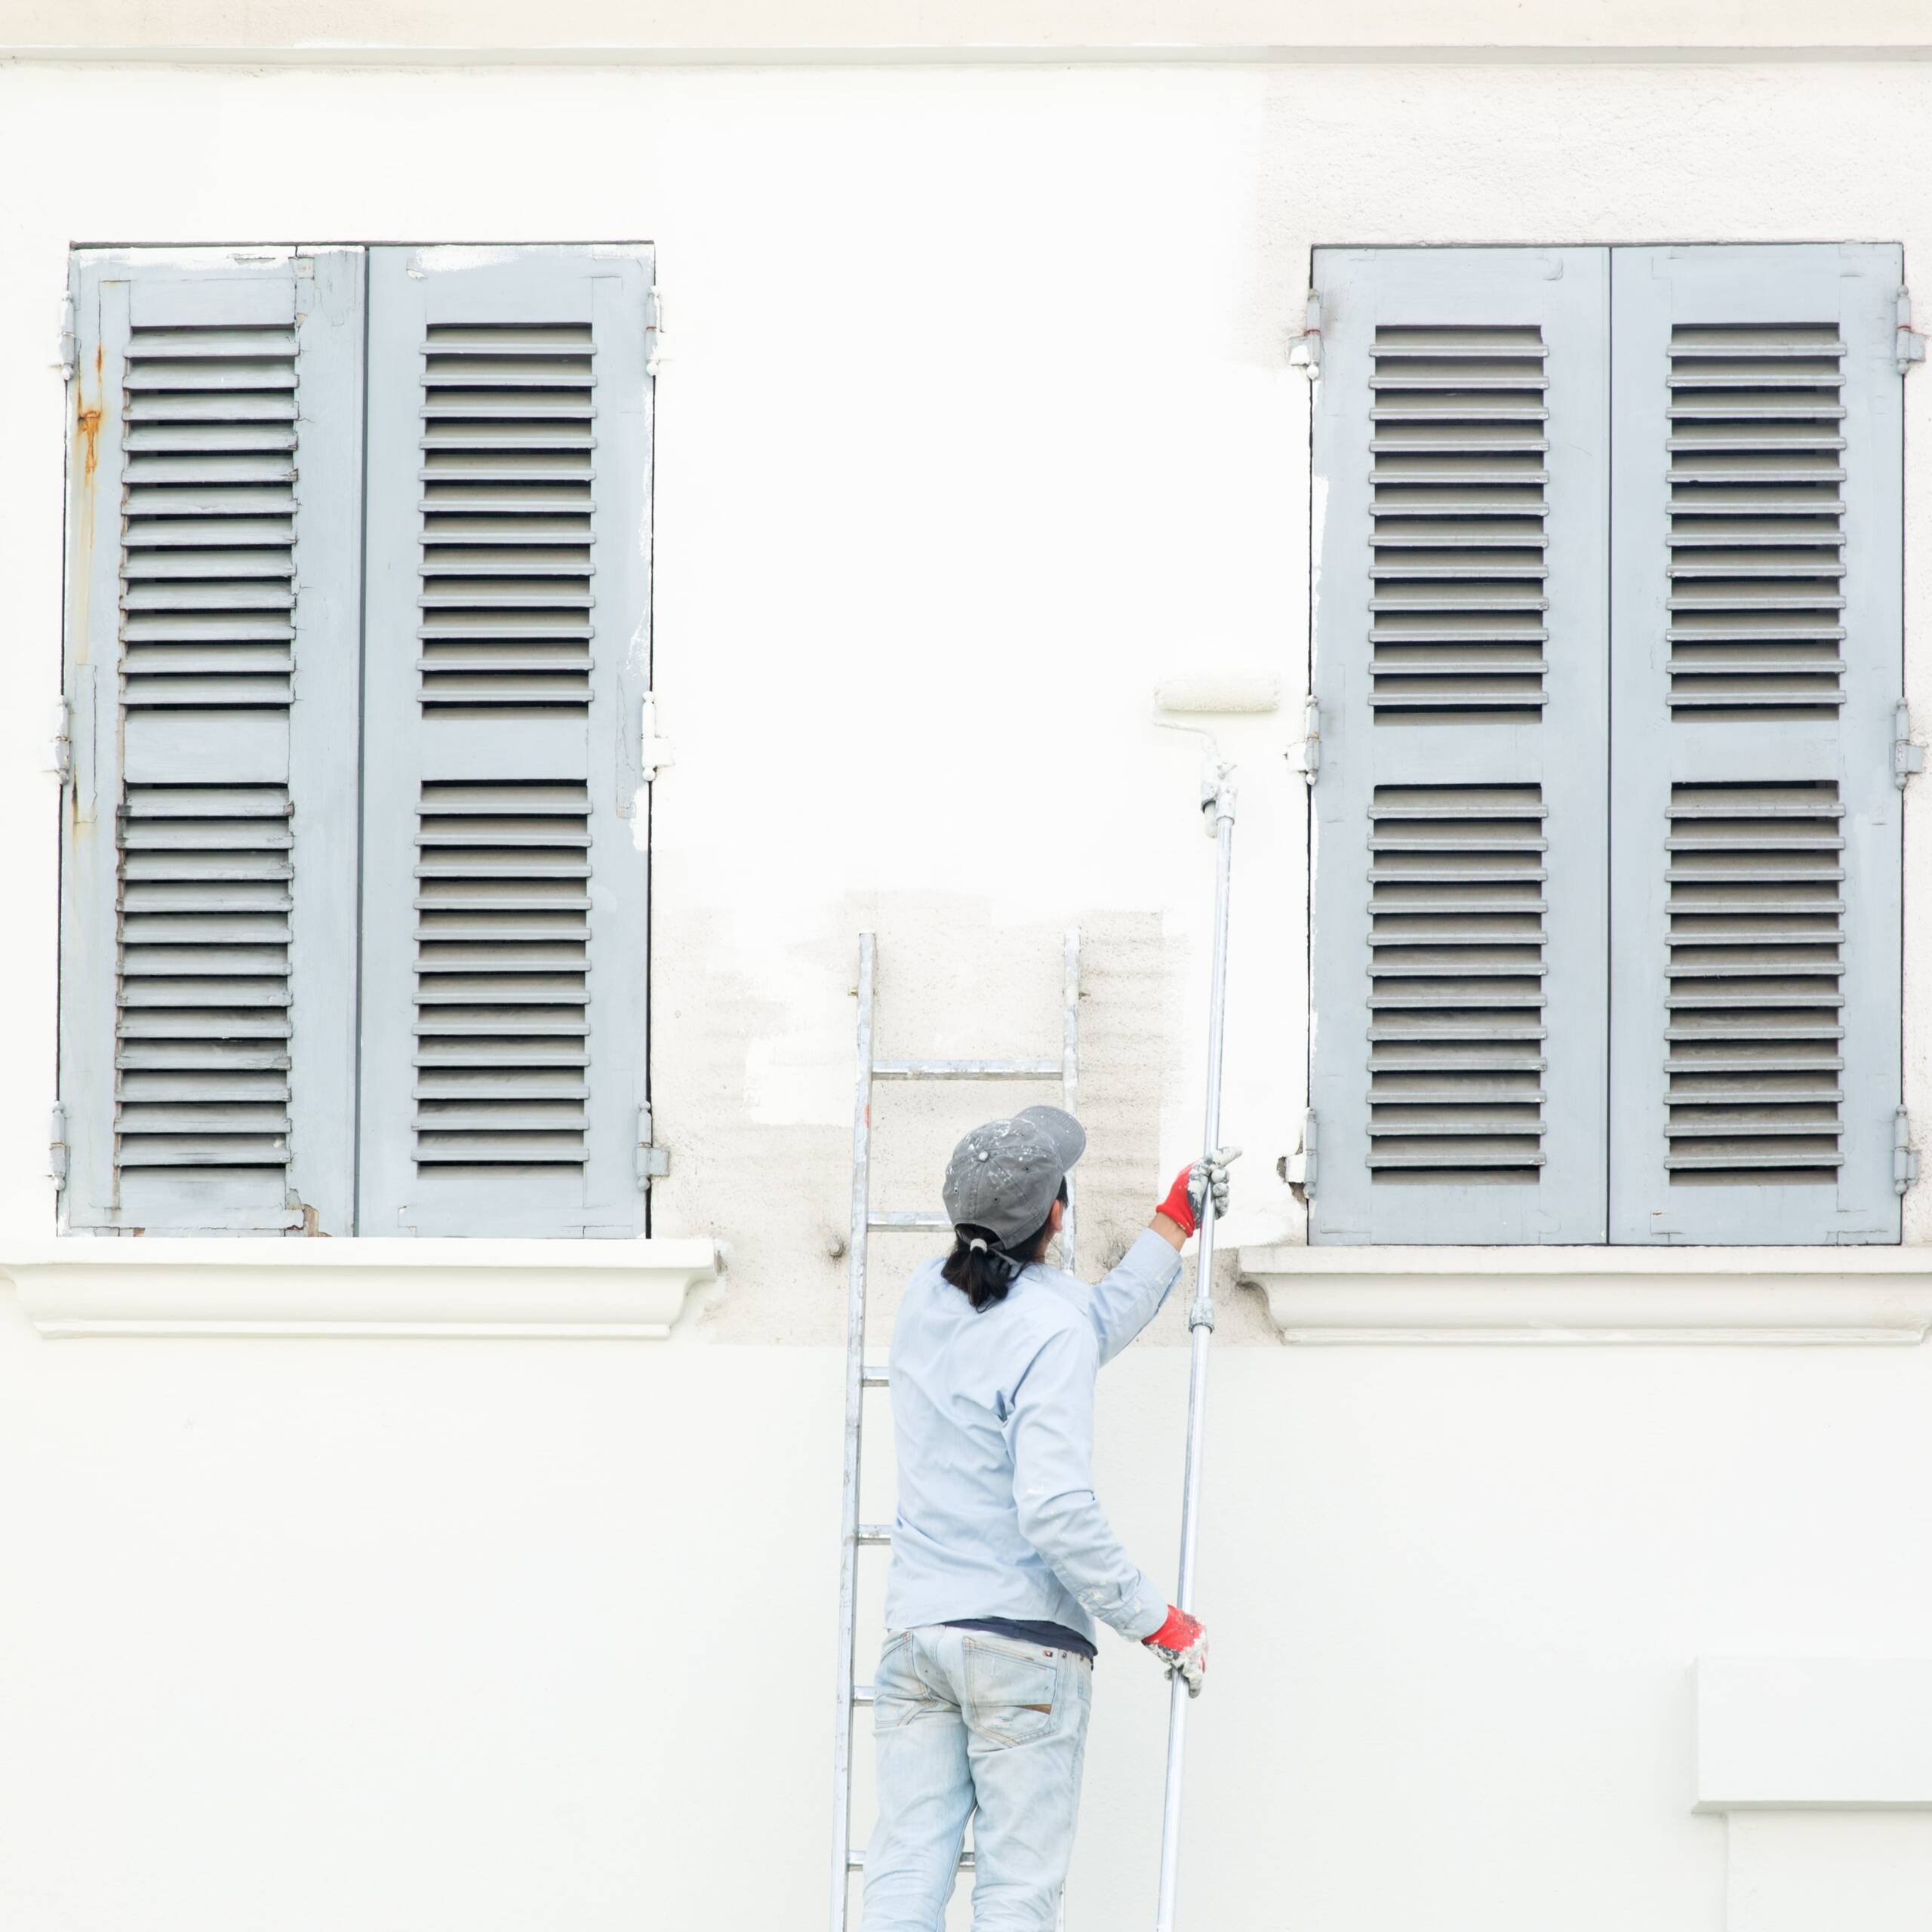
pixel 1813 1733
pixel 626 1290
pixel 606 32
pixel 1595 1295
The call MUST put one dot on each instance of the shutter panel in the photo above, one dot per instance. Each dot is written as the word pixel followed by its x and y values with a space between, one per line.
pixel 1757 501
pixel 504 899
pixel 212 615
pixel 1459 950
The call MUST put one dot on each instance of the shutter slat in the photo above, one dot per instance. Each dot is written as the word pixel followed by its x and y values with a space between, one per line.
pixel 232 1116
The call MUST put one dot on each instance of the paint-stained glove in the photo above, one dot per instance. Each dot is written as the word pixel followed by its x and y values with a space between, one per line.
pixel 1192 1185
pixel 1181 1645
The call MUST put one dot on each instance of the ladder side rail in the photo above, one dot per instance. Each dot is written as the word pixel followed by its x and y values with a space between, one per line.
pixel 1069 1099
pixel 848 1539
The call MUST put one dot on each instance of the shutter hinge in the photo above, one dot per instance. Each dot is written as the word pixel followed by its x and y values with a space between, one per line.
pixel 69 353
pixel 1305 755
pixel 653 1162
pixel 653 753
pixel 1907 757
pixel 1908 345
pixel 1304 349
pixel 62 763
pixel 655 353
pixel 1905 1156
pixel 56 1149
pixel 1298 1169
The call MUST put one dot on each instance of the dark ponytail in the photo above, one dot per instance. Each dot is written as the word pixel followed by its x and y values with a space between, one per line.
pixel 983 1270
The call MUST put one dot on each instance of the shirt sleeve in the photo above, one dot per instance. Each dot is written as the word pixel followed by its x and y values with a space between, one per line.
pixel 1128 1296
pixel 1050 1427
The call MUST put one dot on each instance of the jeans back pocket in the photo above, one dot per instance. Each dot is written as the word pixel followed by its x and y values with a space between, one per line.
pixel 1011 1695
pixel 900 1693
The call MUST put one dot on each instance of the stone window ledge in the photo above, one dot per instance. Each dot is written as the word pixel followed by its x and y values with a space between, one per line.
pixel 626 1290
pixel 1747 1295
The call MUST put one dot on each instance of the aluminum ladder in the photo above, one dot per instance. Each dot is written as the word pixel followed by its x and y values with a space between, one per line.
pixel 862 1377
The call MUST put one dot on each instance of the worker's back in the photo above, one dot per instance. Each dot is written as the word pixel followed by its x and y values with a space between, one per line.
pixel 992 1415
pixel 957 1549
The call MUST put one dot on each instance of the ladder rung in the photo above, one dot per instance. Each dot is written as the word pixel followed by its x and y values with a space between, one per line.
pixel 855 1861
pixel 880 1377
pixel 865 1693
pixel 874 1533
pixel 921 1218
pixel 967 1069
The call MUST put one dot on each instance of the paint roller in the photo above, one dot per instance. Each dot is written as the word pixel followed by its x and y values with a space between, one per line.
pixel 1224 691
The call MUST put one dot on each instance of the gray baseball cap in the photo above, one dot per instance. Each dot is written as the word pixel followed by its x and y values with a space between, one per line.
pixel 1006 1175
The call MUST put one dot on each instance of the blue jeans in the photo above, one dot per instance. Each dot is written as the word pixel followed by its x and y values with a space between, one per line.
pixel 971 1725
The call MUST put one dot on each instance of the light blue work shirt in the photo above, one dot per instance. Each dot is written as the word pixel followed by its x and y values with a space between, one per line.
pixel 993 1417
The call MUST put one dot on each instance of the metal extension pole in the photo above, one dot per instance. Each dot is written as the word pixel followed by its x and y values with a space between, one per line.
pixel 1069 1081
pixel 1220 801
pixel 848 1524
pixel 1069 1099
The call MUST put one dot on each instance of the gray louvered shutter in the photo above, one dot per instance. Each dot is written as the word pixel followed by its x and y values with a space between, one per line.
pixel 504 896
pixel 207 1046
pixel 1755 907
pixel 1459 948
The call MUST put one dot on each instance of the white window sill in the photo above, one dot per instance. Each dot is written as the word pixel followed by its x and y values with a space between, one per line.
pixel 628 1289
pixel 1774 1295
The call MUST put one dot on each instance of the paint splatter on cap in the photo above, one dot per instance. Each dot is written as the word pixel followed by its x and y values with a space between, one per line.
pixel 1005 1176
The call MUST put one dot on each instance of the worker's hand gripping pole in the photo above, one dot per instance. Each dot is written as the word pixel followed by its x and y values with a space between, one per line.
pixel 1217 805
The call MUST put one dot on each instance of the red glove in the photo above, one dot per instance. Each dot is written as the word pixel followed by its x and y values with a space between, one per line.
pixel 1193 1185
pixel 1179 1206
pixel 1181 1644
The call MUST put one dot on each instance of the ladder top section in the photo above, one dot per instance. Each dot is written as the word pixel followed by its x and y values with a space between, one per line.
pixel 968 1069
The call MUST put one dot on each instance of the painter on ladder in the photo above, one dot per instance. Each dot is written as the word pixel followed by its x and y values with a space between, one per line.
pixel 1001 1557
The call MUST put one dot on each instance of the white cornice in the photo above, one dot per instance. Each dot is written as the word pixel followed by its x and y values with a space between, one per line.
pixel 1584 1295
pixel 319 31
pixel 626 1290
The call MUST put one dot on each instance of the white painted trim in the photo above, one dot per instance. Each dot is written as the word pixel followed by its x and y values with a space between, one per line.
pixel 422 31
pixel 1577 1295
pixel 1813 1733
pixel 623 53
pixel 629 1289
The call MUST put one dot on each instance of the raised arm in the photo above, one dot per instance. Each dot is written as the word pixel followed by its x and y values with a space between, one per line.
pixel 1128 1296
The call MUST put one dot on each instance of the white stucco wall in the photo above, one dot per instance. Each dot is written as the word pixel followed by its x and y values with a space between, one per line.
pixel 977 424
